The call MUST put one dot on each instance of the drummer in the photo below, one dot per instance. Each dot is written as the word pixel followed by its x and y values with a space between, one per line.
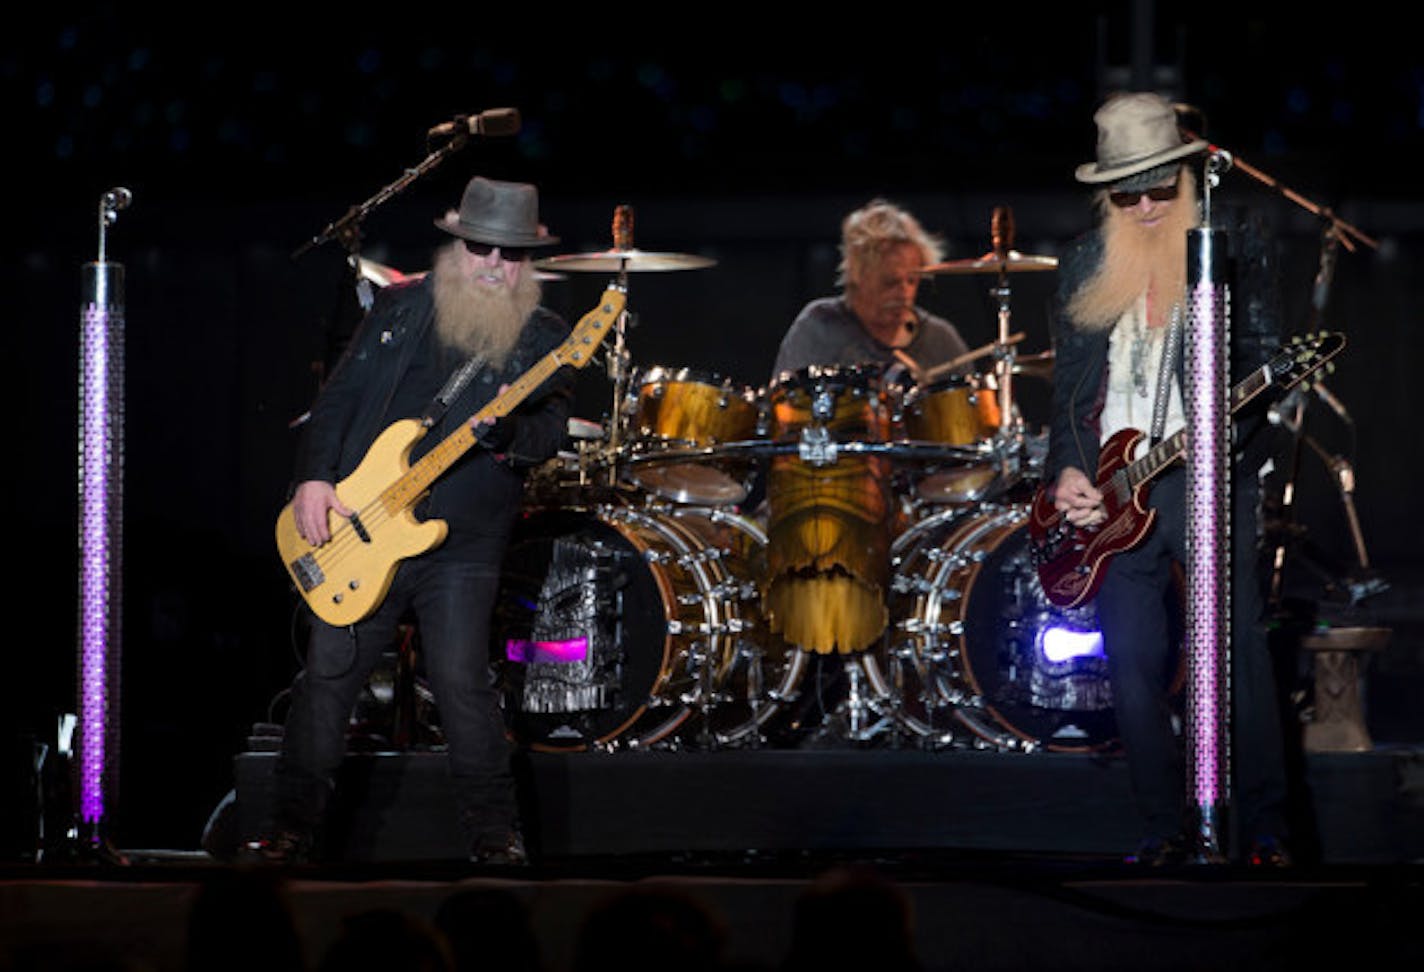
pixel 876 320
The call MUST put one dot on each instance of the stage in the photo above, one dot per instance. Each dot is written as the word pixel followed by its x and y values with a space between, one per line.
pixel 1005 860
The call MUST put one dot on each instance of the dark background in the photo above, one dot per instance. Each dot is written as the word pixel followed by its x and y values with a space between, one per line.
pixel 243 131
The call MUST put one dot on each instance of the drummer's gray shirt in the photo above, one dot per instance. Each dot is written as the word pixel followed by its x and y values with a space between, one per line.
pixel 827 332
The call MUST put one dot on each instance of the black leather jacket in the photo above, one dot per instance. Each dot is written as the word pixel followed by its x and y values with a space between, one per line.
pixel 1080 357
pixel 480 493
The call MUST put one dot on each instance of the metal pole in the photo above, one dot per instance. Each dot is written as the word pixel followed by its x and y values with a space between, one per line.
pixel 100 482
pixel 1208 530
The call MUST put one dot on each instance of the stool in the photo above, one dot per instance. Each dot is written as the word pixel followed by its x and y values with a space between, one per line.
pixel 1338 725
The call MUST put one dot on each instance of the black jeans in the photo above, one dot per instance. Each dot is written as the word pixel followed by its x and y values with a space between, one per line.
pixel 1137 633
pixel 451 601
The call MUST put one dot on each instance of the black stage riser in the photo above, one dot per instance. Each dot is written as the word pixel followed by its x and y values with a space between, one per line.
pixel 1356 808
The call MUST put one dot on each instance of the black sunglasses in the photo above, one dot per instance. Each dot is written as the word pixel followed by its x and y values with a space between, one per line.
pixel 1156 194
pixel 511 254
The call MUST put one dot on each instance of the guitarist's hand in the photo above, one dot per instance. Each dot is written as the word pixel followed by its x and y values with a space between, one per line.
pixel 310 504
pixel 494 433
pixel 1078 499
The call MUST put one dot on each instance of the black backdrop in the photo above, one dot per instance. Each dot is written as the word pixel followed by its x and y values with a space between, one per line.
pixel 243 134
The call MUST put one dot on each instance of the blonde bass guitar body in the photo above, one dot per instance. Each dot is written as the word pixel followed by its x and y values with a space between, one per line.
pixel 345 579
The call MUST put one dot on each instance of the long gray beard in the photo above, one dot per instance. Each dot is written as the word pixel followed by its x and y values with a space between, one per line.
pixel 478 320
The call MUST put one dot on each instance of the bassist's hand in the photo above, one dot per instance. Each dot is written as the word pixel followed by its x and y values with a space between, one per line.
pixel 1078 499
pixel 310 504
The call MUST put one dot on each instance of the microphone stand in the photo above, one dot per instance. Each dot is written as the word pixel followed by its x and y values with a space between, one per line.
pixel 1343 230
pixel 1337 233
pixel 347 228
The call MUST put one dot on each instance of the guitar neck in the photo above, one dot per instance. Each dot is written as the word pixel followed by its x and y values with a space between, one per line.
pixel 1170 449
pixel 418 479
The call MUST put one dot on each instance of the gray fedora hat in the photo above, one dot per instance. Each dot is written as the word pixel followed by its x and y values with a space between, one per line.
pixel 497 213
pixel 1136 132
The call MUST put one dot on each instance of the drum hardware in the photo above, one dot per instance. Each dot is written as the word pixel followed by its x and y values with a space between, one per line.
pixel 623 258
pixel 993 347
pixel 970 635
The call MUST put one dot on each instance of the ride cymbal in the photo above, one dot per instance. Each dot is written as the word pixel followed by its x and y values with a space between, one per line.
pixel 991 262
pixel 1035 365
pixel 631 259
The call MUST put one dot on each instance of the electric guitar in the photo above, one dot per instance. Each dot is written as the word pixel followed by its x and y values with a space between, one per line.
pixel 1070 560
pixel 346 578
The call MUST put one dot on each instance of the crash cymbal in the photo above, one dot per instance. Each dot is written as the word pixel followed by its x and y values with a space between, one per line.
pixel 631 259
pixel 1012 262
pixel 1035 365
pixel 380 274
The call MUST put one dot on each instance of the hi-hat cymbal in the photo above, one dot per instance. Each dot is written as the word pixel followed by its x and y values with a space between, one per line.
pixel 633 260
pixel 1035 365
pixel 1012 262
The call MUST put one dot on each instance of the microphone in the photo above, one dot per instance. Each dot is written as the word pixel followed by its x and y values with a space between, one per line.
pixel 117 199
pixel 492 121
pixel 1001 231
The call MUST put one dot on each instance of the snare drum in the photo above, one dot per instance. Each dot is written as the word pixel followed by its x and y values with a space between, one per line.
pixel 682 408
pixel 958 410
pixel 830 515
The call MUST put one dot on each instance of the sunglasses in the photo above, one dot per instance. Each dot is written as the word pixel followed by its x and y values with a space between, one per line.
pixel 1126 200
pixel 511 254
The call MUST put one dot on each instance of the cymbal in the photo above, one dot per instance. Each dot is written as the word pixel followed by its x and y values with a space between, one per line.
pixel 631 259
pixel 991 262
pixel 380 274
pixel 1035 365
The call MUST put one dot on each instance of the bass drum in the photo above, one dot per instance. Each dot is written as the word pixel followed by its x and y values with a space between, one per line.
pixel 976 644
pixel 624 628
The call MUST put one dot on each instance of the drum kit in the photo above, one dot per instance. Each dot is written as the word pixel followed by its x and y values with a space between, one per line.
pixel 880 592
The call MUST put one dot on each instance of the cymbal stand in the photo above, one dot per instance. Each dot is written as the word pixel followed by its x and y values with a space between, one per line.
pixel 619 358
pixel 1002 223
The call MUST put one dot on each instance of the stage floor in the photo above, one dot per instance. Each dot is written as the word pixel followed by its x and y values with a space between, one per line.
pixel 1002 860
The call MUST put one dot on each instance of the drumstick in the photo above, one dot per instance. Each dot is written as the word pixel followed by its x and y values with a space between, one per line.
pixel 910 363
pixel 938 370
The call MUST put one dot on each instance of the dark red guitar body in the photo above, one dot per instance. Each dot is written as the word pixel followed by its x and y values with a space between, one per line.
pixel 1071 560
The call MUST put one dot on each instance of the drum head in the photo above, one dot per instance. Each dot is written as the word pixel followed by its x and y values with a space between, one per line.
pixel 580 635
pixel 981 646
pixel 1040 671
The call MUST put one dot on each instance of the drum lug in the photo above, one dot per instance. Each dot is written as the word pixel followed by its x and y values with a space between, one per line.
pixel 816 447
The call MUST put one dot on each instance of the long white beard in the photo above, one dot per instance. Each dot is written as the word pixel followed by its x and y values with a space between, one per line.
pixel 478 318
pixel 1138 260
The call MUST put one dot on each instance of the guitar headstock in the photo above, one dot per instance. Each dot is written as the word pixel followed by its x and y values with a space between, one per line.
pixel 578 349
pixel 1303 355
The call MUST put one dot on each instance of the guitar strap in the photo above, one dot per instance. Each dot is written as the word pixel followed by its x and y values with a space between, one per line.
pixel 435 411
pixel 1171 353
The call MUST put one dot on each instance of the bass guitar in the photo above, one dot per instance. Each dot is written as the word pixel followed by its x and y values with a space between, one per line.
pixel 1070 561
pixel 346 578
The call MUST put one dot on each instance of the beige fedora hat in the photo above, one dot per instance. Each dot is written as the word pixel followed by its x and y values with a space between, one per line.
pixel 1136 132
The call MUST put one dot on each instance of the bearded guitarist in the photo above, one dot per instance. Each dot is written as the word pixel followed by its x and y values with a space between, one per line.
pixel 1120 288
pixel 437 349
